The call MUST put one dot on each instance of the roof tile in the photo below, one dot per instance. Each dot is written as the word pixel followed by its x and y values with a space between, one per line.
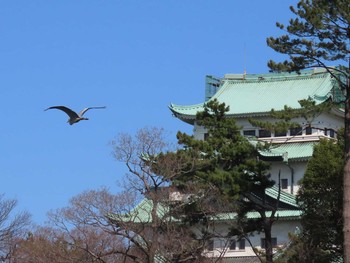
pixel 258 94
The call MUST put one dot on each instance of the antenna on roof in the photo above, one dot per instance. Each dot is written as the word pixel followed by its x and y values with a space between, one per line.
pixel 244 61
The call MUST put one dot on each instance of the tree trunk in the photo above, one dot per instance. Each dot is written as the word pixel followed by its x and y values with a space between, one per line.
pixel 346 183
pixel 268 240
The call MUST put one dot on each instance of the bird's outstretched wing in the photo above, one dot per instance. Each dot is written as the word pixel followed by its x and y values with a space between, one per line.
pixel 86 109
pixel 70 113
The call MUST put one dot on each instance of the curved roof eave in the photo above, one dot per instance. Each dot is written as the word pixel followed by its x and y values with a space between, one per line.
pixel 257 96
pixel 191 117
pixel 295 151
pixel 338 111
pixel 283 214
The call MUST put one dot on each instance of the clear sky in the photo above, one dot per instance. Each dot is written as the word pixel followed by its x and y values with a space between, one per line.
pixel 134 57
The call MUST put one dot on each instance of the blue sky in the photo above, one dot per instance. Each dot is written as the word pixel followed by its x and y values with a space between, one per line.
pixel 135 57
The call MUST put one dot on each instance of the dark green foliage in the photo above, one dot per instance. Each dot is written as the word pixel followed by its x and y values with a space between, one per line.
pixel 223 174
pixel 300 251
pixel 284 119
pixel 320 198
pixel 309 110
pixel 226 159
pixel 320 32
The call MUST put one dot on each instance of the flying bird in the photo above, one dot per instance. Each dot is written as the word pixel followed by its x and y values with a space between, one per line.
pixel 73 116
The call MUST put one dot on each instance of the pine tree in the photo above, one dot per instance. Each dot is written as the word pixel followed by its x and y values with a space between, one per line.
pixel 320 34
pixel 227 162
pixel 320 198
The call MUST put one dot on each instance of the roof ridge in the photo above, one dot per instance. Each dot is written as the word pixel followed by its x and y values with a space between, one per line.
pixel 273 78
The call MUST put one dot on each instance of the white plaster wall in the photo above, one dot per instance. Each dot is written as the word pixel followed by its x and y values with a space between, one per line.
pixel 285 170
pixel 329 121
pixel 198 132
pixel 324 120
pixel 280 230
pixel 299 171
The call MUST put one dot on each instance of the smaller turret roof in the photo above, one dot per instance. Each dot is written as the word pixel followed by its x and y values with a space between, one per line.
pixel 295 151
pixel 142 213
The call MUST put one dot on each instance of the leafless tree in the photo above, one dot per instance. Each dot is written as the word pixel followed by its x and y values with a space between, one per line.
pixel 162 226
pixel 47 244
pixel 84 231
pixel 151 219
pixel 80 232
pixel 12 227
pixel 87 228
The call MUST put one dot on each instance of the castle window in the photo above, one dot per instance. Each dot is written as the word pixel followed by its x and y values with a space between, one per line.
pixel 308 131
pixel 264 133
pixel 280 134
pixel 211 245
pixel 241 244
pixel 232 244
pixel 295 131
pixel 284 183
pixel 249 133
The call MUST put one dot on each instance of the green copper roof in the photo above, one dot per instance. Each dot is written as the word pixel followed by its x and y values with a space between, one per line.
pixel 281 214
pixel 286 151
pixel 284 197
pixel 142 212
pixel 258 94
pixel 290 151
